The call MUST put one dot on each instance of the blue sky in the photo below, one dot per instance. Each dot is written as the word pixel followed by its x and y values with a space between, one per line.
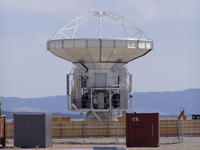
pixel 29 70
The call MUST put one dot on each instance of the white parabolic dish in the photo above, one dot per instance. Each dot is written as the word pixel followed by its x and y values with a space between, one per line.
pixel 99 53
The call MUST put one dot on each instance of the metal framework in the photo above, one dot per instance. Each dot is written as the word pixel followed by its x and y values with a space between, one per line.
pixel 74 102
pixel 72 26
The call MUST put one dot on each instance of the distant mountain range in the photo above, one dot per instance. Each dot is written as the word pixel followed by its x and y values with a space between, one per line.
pixel 43 104
pixel 9 115
pixel 166 103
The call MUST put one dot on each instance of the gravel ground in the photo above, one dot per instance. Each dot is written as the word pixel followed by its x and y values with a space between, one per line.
pixel 61 144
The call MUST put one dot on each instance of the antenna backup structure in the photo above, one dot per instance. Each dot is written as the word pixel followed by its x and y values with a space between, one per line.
pixel 100 83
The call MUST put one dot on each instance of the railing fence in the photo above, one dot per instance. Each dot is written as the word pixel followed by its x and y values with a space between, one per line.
pixel 171 131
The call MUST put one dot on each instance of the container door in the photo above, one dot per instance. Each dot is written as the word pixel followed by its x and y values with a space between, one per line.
pixel 142 130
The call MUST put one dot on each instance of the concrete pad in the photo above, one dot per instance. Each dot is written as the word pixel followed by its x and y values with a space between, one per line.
pixel 109 148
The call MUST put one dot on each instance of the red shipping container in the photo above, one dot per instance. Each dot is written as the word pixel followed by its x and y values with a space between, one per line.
pixel 142 130
pixel 3 130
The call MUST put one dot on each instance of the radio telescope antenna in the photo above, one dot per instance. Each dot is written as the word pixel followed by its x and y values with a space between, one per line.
pixel 100 83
